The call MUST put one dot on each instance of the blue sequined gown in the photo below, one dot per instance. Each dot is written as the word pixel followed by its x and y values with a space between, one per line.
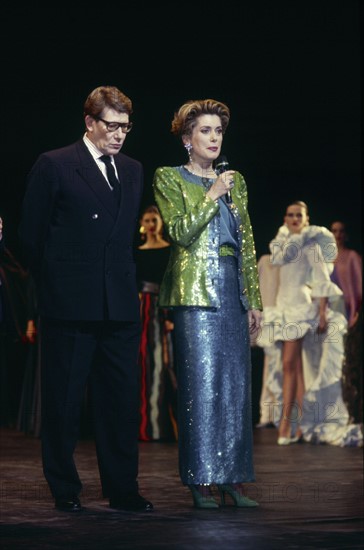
pixel 210 283
pixel 214 388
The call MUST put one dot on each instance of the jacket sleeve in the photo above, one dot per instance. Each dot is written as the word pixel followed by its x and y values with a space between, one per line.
pixel 37 208
pixel 184 217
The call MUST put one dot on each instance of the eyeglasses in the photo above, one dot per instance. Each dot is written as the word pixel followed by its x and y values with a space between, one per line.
pixel 113 126
pixel 292 215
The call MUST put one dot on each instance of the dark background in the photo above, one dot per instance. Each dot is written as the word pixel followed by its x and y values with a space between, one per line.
pixel 289 71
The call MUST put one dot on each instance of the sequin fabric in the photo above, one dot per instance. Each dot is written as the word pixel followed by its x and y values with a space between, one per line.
pixel 192 221
pixel 214 387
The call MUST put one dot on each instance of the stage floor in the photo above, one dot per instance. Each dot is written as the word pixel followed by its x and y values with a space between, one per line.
pixel 310 497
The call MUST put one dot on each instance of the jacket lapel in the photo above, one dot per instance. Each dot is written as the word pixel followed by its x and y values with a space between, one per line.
pixel 92 176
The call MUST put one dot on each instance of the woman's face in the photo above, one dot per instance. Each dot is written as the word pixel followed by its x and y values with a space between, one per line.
pixel 206 138
pixel 152 223
pixel 338 229
pixel 296 218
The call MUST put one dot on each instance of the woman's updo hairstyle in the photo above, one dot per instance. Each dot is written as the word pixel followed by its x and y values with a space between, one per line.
pixel 185 118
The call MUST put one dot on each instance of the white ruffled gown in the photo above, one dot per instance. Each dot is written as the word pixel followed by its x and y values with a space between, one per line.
pixel 305 261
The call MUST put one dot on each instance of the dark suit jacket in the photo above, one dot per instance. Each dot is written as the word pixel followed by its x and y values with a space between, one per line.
pixel 78 243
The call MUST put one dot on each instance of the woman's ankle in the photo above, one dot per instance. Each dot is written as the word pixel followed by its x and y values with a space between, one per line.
pixel 238 487
pixel 284 428
pixel 203 489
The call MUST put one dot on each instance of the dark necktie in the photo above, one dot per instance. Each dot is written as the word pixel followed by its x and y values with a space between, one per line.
pixel 113 180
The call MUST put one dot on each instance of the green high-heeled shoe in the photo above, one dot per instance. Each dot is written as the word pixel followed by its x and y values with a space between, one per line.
pixel 201 500
pixel 240 500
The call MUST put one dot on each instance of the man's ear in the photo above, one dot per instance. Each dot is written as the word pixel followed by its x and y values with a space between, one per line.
pixel 89 122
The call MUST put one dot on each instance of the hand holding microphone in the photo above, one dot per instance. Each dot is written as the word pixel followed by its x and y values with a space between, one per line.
pixel 223 186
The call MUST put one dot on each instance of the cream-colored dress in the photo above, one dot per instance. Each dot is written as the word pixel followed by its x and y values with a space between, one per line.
pixel 305 262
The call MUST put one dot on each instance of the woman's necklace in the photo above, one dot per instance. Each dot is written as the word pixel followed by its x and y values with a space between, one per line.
pixel 206 181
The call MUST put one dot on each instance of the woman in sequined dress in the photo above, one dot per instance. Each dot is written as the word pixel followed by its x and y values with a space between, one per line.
pixel 303 336
pixel 158 385
pixel 211 283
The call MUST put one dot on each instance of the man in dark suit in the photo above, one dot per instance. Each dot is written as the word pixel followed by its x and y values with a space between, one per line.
pixel 79 217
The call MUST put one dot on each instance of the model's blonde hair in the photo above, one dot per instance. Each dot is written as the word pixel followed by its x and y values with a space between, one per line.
pixel 299 203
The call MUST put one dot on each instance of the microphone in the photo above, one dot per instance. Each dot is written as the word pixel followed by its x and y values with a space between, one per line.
pixel 221 165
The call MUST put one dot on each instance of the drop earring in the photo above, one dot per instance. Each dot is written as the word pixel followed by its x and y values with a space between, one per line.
pixel 188 146
pixel 142 232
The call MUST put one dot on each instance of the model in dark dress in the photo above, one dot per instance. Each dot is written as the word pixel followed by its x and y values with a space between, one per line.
pixel 157 376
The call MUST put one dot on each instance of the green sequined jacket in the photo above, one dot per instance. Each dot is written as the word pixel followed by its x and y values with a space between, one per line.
pixel 192 222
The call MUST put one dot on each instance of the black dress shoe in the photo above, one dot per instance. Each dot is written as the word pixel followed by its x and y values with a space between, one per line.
pixel 132 503
pixel 71 504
